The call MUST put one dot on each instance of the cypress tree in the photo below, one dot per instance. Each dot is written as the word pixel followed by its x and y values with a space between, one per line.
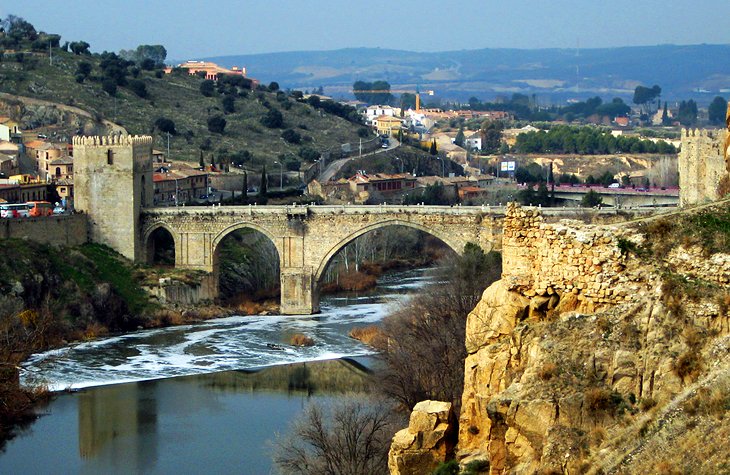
pixel 264 179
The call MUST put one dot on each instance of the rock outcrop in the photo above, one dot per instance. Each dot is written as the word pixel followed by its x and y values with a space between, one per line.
pixel 428 440
pixel 582 349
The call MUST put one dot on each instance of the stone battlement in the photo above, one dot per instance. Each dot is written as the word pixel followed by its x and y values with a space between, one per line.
pixel 112 140
pixel 702 133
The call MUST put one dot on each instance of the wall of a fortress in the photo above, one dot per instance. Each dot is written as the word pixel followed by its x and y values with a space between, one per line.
pixel 71 230
pixel 701 165
pixel 113 194
pixel 566 257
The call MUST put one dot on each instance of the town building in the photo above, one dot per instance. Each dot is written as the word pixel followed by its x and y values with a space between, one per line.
pixel 372 112
pixel 212 71
pixel 387 125
pixel 364 185
pixel 177 187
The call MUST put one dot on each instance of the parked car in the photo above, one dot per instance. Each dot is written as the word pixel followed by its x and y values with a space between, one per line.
pixel 59 210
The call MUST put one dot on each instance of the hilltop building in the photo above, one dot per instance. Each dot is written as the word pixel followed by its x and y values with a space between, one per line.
pixel 213 71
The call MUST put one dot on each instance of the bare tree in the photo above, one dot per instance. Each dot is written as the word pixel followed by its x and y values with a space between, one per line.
pixel 424 348
pixel 351 438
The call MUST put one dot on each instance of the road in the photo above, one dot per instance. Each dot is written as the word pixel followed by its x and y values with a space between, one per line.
pixel 334 167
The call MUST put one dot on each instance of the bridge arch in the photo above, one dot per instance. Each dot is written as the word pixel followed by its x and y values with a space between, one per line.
pixel 451 243
pixel 148 241
pixel 242 225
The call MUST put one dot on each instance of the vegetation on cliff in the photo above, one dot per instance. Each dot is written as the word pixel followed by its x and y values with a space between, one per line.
pixel 51 295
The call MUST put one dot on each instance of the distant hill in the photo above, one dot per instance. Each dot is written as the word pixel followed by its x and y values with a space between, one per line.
pixel 27 71
pixel 683 72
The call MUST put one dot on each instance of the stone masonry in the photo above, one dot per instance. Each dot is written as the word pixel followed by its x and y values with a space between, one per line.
pixel 112 183
pixel 545 259
pixel 307 237
pixel 702 165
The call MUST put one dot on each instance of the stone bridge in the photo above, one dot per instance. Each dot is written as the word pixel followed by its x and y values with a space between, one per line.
pixel 307 237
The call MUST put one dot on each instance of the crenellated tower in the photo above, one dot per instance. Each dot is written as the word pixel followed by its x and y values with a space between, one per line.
pixel 112 183
pixel 701 165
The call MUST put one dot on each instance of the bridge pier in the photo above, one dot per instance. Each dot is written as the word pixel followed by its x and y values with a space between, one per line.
pixel 299 292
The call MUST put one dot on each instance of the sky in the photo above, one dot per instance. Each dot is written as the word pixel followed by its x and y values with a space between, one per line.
pixel 198 28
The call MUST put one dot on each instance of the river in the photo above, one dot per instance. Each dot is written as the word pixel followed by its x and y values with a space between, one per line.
pixel 204 398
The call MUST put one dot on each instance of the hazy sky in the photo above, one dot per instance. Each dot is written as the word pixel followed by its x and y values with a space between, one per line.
pixel 195 28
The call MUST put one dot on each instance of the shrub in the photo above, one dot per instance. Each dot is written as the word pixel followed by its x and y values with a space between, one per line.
pixel 138 87
pixel 207 88
pixel 370 335
pixel 301 340
pixel 109 86
pixel 291 136
pixel 273 119
pixel 217 124
pixel 688 364
pixel 601 400
pixel 547 371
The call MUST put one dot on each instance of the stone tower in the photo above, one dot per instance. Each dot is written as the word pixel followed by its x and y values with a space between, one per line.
pixel 112 183
pixel 701 165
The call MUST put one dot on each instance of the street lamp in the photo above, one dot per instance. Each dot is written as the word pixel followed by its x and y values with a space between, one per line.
pixel 281 175
pixel 401 164
pixel 442 166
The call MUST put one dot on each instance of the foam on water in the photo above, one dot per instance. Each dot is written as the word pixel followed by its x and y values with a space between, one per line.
pixel 230 343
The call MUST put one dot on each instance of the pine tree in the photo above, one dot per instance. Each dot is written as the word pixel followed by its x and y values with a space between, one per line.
pixel 245 184
pixel 665 115
pixel 201 162
pixel 212 161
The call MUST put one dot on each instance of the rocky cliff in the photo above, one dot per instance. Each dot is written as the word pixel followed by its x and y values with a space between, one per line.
pixel 601 351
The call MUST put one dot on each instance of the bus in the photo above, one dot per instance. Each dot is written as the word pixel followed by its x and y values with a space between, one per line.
pixel 40 208
pixel 14 210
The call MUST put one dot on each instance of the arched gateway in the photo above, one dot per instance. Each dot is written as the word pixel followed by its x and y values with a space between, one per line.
pixel 307 237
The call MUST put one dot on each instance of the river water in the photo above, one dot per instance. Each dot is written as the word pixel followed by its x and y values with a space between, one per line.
pixel 204 398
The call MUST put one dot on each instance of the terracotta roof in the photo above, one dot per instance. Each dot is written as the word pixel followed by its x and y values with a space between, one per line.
pixel 34 143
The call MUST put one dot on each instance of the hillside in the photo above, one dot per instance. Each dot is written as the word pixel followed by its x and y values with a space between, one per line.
pixel 553 74
pixel 175 96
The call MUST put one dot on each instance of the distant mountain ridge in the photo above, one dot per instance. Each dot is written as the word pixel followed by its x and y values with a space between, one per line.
pixel 683 71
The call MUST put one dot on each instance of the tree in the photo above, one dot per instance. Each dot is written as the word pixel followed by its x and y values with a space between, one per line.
pixel 351 438
pixel 79 47
pixel 229 104
pixel 363 92
pixel 491 132
pixel 108 85
pixel 212 161
pixel 665 116
pixel 264 182
pixel 217 124
pixel 291 136
pixel 273 119
pixel 166 126
pixel 138 87
pixel 207 88
pixel 717 110
pixel 18 28
pixel 273 86
pixel 687 113
pixel 591 199
pixel 459 140
pixel 423 349
pixel 433 150
pixel 201 162
pixel 83 69
pixel 645 96
pixel 245 184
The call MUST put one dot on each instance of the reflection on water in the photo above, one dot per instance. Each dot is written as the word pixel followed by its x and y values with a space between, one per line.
pixel 214 423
